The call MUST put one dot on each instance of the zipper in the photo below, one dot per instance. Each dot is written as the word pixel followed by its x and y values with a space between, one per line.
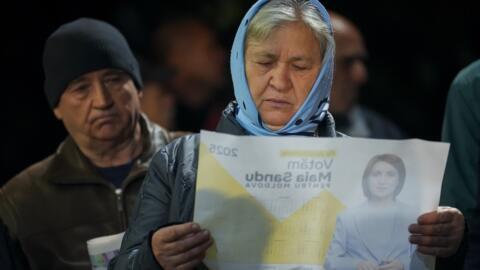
pixel 120 209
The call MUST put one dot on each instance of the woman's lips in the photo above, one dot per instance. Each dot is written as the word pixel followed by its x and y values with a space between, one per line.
pixel 277 103
pixel 382 188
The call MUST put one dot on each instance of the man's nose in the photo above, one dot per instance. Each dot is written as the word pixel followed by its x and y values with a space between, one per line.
pixel 102 97
pixel 359 73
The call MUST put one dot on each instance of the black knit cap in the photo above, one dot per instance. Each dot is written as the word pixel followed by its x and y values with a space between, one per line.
pixel 83 46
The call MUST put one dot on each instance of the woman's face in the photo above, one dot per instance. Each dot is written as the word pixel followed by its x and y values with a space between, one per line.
pixel 382 181
pixel 281 70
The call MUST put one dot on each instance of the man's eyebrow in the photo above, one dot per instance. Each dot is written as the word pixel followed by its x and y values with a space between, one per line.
pixel 77 80
pixel 114 72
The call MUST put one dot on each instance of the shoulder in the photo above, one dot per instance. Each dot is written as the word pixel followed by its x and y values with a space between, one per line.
pixel 468 75
pixel 374 116
pixel 348 214
pixel 466 85
pixel 180 150
pixel 29 177
pixel 23 191
pixel 405 208
pixel 380 126
pixel 187 143
pixel 406 214
pixel 462 110
pixel 175 164
pixel 159 136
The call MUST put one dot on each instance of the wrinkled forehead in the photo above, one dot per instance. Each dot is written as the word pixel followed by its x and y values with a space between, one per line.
pixel 272 18
pixel 293 40
pixel 266 34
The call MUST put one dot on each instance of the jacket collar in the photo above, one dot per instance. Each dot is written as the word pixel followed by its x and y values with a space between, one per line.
pixel 70 166
pixel 229 124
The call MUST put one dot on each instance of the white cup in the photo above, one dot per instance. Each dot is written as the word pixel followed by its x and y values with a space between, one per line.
pixel 102 249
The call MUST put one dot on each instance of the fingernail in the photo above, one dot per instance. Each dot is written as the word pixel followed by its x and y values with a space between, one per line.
pixel 195 226
pixel 205 232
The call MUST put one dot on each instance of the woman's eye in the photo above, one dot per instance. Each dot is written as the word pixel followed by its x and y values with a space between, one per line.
pixel 300 67
pixel 391 174
pixel 264 64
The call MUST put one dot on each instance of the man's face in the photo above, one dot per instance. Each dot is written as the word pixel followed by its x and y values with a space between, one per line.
pixel 199 63
pixel 99 106
pixel 350 71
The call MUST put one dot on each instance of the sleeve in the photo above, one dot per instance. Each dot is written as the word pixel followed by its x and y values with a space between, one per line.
pixel 337 256
pixel 461 127
pixel 472 260
pixel 11 253
pixel 150 213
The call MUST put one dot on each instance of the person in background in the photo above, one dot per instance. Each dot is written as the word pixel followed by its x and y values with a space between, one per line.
pixel 350 75
pixel 282 68
pixel 157 101
pixel 461 183
pixel 88 186
pixel 189 47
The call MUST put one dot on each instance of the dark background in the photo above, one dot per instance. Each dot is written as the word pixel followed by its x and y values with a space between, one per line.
pixel 415 47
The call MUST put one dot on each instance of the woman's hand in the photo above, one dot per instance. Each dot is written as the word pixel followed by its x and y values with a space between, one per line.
pixel 366 265
pixel 180 246
pixel 438 233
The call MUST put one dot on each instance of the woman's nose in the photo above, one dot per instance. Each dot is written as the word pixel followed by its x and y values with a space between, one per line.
pixel 281 77
pixel 384 179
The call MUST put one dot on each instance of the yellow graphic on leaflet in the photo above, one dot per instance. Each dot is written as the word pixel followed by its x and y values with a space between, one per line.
pixel 254 235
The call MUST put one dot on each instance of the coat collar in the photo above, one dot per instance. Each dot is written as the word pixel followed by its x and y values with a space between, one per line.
pixel 70 166
pixel 229 124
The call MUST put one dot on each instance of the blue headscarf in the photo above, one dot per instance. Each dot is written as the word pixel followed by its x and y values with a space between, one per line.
pixel 315 106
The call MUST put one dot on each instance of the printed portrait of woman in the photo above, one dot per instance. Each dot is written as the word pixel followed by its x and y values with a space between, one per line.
pixel 374 235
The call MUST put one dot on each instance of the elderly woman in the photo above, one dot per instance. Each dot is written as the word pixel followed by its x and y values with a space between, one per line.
pixel 356 244
pixel 281 64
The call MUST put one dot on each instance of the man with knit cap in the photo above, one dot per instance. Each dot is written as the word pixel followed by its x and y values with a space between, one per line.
pixel 87 188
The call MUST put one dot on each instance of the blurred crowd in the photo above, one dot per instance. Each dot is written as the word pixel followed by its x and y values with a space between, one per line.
pixel 174 79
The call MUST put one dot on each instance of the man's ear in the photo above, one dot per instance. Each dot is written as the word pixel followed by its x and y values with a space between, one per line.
pixel 58 113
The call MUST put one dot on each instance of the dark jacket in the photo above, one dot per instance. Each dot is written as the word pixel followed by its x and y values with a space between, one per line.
pixel 53 207
pixel 168 192
pixel 461 182
pixel 363 122
pixel 10 253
